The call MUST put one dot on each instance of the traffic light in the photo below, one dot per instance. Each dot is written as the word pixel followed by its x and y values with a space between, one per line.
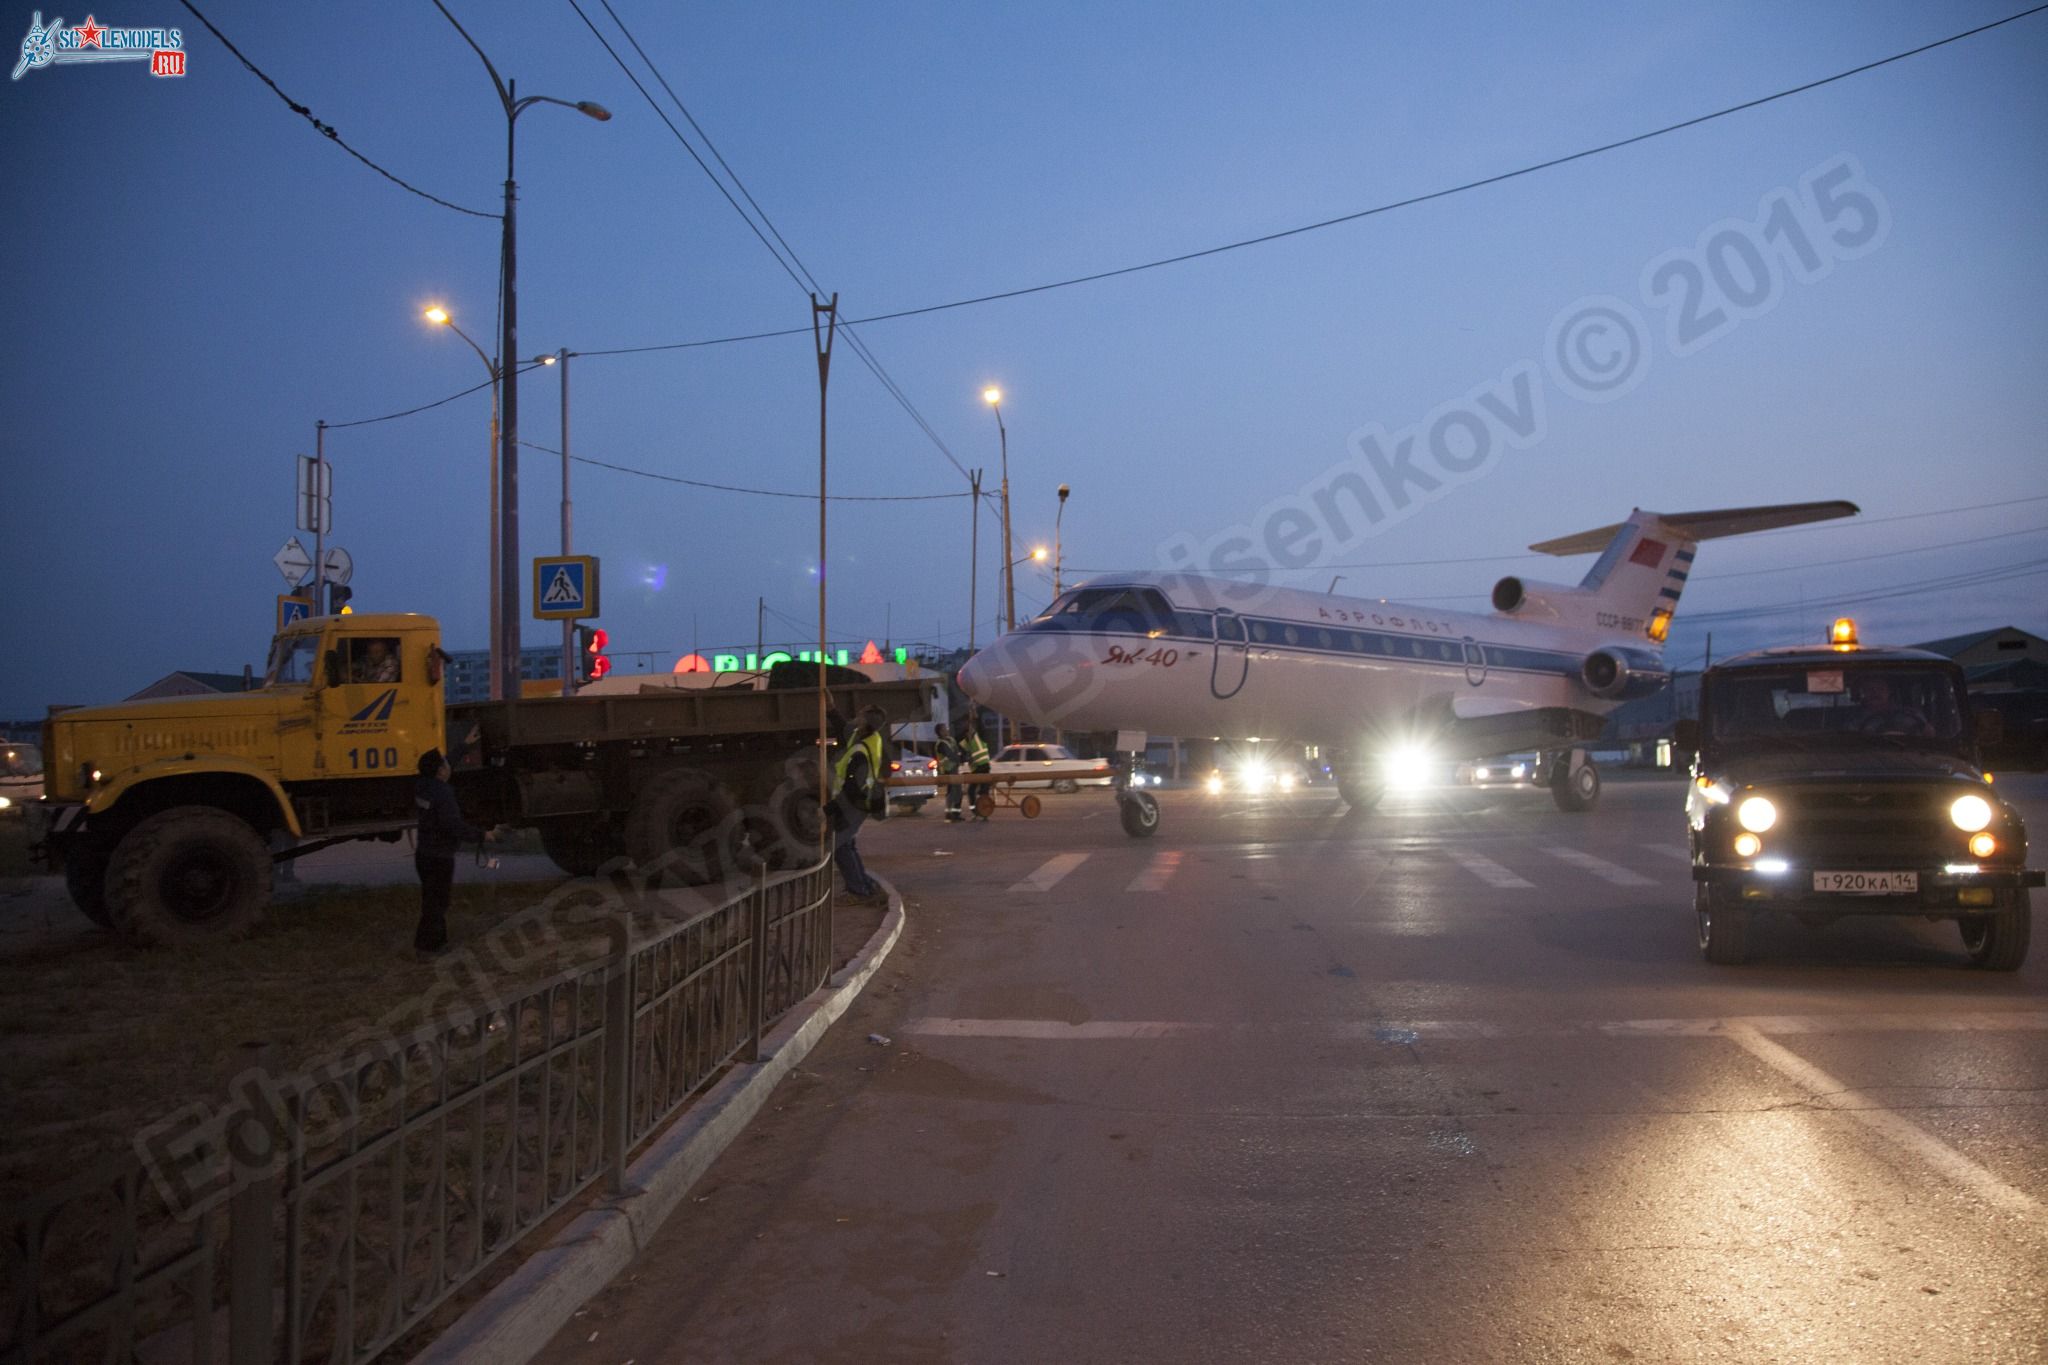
pixel 591 663
pixel 338 595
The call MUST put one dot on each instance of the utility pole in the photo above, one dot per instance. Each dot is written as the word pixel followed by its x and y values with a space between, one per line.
pixel 1009 555
pixel 319 607
pixel 821 343
pixel 974 560
pixel 760 628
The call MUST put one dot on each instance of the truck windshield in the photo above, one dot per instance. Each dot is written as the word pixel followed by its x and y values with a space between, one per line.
pixel 21 760
pixel 292 660
pixel 1834 704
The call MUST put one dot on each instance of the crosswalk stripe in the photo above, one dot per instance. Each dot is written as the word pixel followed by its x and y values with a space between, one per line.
pixel 1489 871
pixel 1599 867
pixel 1678 851
pixel 1155 877
pixel 1051 872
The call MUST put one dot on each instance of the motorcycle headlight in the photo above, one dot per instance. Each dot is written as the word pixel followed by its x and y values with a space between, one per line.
pixel 1756 814
pixel 1970 813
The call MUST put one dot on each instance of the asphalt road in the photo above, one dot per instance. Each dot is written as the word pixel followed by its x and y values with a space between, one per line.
pixel 1447 1082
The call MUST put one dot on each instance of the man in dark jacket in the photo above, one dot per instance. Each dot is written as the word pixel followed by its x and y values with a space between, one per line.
pixel 441 831
pixel 858 794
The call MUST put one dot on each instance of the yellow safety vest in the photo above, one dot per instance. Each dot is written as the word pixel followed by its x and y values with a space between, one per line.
pixel 977 752
pixel 872 747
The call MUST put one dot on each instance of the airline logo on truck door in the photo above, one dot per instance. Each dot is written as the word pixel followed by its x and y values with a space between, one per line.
pixel 374 718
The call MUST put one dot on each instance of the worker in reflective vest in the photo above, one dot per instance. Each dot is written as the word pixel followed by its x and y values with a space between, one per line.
pixel 975 750
pixel 858 775
pixel 950 760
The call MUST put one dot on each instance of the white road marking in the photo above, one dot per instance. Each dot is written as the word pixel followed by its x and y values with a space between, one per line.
pixel 1489 871
pixel 1599 867
pixel 1678 851
pixel 1465 1030
pixel 1832 1094
pixel 1051 872
pixel 1058 1030
pixel 1155 877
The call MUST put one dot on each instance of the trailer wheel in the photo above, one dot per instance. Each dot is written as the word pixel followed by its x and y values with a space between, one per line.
pixel 189 875
pixel 1575 789
pixel 1361 794
pixel 682 827
pixel 580 849
pixel 85 877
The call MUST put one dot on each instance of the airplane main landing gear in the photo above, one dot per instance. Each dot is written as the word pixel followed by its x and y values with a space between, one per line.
pixel 1137 808
pixel 1574 781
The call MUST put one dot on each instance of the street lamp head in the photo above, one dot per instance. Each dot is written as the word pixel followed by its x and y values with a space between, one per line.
pixel 1064 490
pixel 1038 553
pixel 436 315
pixel 543 360
pixel 594 110
pixel 992 396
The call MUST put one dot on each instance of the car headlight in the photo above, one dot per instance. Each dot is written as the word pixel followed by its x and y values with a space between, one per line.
pixel 6 803
pixel 1756 814
pixel 1520 770
pixel 1215 784
pixel 1408 768
pixel 1970 813
pixel 1482 773
pixel 1287 782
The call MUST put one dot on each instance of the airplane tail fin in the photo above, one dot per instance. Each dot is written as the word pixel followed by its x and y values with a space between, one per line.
pixel 1645 561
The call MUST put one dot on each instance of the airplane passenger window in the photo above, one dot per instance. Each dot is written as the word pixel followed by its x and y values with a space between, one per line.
pixel 1229 628
pixel 1358 644
pixel 1323 638
pixel 1446 651
pixel 1293 635
pixel 1259 631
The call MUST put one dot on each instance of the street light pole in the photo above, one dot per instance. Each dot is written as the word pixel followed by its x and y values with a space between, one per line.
pixel 505 629
pixel 1058 551
pixel 568 626
pixel 440 317
pixel 974 559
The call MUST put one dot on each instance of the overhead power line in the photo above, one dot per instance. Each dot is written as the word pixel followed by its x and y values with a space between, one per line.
pixel 736 488
pixel 428 407
pixel 785 255
pixel 1463 188
pixel 328 130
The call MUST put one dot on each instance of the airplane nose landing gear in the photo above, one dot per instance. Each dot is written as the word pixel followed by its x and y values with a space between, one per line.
pixel 1574 781
pixel 1136 807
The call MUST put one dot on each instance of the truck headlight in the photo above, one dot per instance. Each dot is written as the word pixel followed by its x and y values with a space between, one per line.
pixel 1748 845
pixel 1756 814
pixel 1970 813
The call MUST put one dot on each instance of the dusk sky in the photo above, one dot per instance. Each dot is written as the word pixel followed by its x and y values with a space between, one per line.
pixel 199 276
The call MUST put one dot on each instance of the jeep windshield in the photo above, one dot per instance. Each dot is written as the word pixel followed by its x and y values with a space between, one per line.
pixel 1835 706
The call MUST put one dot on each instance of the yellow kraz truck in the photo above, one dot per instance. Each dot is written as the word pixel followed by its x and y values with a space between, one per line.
pixel 166 817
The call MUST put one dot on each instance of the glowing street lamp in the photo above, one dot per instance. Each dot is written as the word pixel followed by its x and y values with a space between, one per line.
pixel 993 396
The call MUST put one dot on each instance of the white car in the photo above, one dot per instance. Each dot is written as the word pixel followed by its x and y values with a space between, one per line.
pixel 21 777
pixel 910 763
pixel 1060 770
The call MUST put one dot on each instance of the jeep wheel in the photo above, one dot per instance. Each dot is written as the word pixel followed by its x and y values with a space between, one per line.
pixel 189 875
pixel 1997 942
pixel 681 829
pixel 1724 926
pixel 1576 789
pixel 1358 793
pixel 85 877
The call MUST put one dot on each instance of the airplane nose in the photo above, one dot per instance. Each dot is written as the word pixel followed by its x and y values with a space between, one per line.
pixel 976 676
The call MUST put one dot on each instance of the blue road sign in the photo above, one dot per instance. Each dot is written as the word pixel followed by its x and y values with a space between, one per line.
pixel 290 609
pixel 565 587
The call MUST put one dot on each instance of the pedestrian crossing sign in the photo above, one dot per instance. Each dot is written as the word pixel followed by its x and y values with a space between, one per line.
pixel 565 587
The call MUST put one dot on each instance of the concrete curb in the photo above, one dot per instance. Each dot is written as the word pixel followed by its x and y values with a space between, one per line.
pixel 519 1317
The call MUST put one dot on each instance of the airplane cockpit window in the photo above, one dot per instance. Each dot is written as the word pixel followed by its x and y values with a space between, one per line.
pixel 1127 611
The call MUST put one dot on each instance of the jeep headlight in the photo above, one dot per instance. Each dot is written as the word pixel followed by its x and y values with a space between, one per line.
pixel 1756 814
pixel 1970 813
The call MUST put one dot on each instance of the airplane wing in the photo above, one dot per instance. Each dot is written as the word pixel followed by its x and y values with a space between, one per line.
pixel 1727 521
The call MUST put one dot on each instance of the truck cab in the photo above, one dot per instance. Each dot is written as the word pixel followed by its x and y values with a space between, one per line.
pixel 1843 779
pixel 161 812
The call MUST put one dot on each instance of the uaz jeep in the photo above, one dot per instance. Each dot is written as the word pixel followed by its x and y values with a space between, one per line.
pixel 1844 780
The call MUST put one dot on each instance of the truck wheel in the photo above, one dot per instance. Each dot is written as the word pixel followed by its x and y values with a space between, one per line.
pixel 1066 786
pixel 85 877
pixel 581 849
pixel 1724 926
pixel 189 875
pixel 681 828
pixel 786 834
pixel 1140 814
pixel 1576 789
pixel 1997 942
pixel 1358 793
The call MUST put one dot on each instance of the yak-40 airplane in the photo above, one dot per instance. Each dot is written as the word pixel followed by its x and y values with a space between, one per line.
pixel 1376 684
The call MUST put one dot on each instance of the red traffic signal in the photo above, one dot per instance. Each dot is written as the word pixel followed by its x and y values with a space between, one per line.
pixel 594 663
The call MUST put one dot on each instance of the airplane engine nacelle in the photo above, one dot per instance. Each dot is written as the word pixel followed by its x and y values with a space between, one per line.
pixel 1623 674
pixel 1533 601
